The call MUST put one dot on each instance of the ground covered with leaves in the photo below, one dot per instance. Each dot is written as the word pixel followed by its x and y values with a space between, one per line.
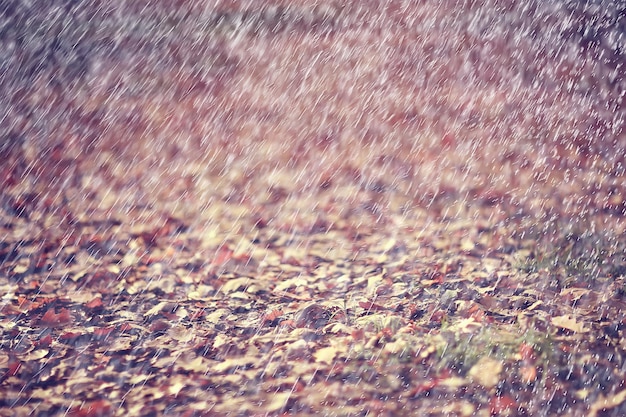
pixel 297 208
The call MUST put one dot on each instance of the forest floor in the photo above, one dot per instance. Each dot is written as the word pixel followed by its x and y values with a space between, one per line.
pixel 318 210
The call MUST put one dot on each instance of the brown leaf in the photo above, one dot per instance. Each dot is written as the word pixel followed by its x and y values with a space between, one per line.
pixel 527 352
pixel 371 306
pixel 569 323
pixel 103 332
pixel 53 319
pixel 528 374
pixel 498 405
pixel 271 317
pixel 313 316
pixel 99 408
pixel 95 303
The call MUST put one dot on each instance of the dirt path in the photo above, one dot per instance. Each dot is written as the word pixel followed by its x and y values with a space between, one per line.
pixel 312 210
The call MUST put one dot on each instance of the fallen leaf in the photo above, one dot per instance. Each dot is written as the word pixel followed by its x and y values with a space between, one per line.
pixel 176 388
pixel 370 306
pixel 313 316
pixel 278 401
pixel 53 319
pixel 293 282
pixel 99 408
pixel 400 346
pixel 499 404
pixel 95 303
pixel 606 403
pixel 486 372
pixel 569 323
pixel 222 256
pixel 235 284
pixel 326 355
pixel 156 309
pixel 14 368
pixel 233 363
pixel 527 352
pixel 103 332
pixel 528 374
pixel 220 340
pixel 271 317
pixel 216 315
pixel 159 325
pixel 195 365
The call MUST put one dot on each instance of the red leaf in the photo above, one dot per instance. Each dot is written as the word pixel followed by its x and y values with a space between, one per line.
pixel 448 141
pixel 299 387
pixel 45 341
pixel 368 305
pixel 99 408
pixel 386 333
pixel 95 303
pixel 289 323
pixel 159 326
pixel 103 332
pixel 64 316
pixel 70 335
pixel 14 368
pixel 222 256
pixel 425 386
pixel 499 404
pixel 124 327
pixel 52 319
pixel 198 314
pixel 527 352
pixel 358 334
pixel 438 316
pixel 271 316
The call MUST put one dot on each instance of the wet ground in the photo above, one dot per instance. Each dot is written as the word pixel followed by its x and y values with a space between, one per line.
pixel 307 208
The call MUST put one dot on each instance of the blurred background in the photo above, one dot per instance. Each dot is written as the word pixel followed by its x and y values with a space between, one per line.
pixel 163 107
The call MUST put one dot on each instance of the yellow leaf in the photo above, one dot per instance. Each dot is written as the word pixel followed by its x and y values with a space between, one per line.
pixel 294 282
pixel 606 403
pixel 195 365
pixel 175 388
pixel 569 323
pixel 338 328
pixel 467 325
pixel 467 245
pixel 239 295
pixel 486 372
pixel 326 355
pixel 216 316
pixel 373 282
pixel 575 293
pixel 400 346
pixel 235 284
pixel 232 363
pixel 453 382
pixel 278 401
pixel 389 244
pixel 156 309
pixel 220 340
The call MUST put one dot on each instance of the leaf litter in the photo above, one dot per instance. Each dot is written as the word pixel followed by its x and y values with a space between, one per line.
pixel 335 209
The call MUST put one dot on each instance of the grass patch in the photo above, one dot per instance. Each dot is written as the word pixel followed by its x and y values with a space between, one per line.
pixel 573 252
pixel 462 351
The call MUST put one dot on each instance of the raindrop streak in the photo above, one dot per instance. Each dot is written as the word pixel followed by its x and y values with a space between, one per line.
pixel 312 207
